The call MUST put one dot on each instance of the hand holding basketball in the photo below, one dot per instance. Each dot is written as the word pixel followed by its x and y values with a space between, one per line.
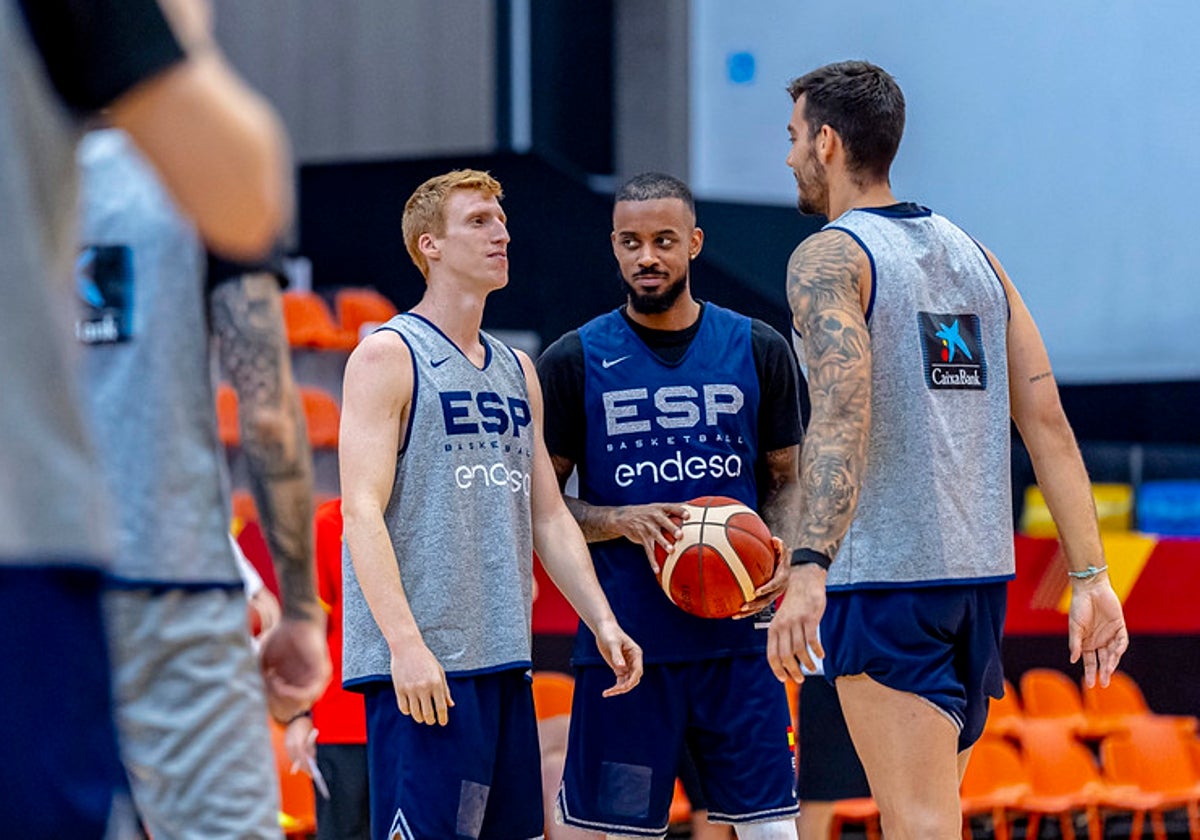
pixel 722 558
pixel 653 526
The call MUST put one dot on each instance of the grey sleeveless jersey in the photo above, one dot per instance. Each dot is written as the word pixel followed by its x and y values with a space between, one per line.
pixel 459 513
pixel 148 372
pixel 51 498
pixel 935 504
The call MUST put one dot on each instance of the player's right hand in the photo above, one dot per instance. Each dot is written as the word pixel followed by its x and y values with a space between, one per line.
pixel 648 526
pixel 622 654
pixel 792 636
pixel 294 659
pixel 422 692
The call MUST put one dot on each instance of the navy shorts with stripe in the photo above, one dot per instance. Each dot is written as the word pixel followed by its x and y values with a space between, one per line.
pixel 624 752
pixel 938 642
pixel 476 778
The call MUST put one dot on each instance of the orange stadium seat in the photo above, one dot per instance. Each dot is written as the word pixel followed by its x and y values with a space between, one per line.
pixel 1065 781
pixel 994 785
pixel 1122 703
pixel 357 307
pixel 322 415
pixel 1159 760
pixel 1005 716
pixel 552 694
pixel 309 323
pixel 1050 694
pixel 227 415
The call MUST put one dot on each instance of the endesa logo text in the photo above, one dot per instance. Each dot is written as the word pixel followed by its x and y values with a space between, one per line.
pixel 680 426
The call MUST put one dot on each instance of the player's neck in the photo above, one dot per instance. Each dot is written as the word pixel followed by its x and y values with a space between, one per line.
pixel 680 316
pixel 850 196
pixel 456 312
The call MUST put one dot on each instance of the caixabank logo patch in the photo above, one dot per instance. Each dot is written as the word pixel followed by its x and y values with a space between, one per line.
pixel 953 351
pixel 104 280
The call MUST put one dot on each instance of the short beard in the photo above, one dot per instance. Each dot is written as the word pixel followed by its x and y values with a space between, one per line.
pixel 655 303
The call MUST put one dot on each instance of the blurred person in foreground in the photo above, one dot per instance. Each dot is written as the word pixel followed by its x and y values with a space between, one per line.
pixel 220 150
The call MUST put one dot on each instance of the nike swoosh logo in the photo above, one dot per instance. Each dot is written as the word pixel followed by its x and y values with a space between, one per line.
pixel 607 363
pixel 439 362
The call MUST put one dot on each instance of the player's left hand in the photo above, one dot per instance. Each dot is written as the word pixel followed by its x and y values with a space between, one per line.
pixel 295 665
pixel 1096 629
pixel 622 654
pixel 770 590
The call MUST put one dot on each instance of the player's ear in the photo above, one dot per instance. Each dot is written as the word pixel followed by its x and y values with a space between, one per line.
pixel 695 243
pixel 428 245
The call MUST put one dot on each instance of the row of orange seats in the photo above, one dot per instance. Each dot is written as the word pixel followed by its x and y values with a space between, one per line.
pixel 1088 713
pixel 321 414
pixel 310 324
pixel 1146 770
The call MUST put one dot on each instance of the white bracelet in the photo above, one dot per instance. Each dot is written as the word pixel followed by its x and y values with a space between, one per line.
pixel 1088 573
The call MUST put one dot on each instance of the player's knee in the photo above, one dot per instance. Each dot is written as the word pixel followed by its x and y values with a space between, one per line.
pixel 777 830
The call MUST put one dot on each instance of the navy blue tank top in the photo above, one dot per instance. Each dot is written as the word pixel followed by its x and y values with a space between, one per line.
pixel 660 432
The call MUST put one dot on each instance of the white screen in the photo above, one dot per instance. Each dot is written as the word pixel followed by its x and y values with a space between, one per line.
pixel 1063 135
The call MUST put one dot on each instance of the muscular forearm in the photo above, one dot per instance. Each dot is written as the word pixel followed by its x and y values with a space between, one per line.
pixel 831 471
pixel 596 522
pixel 280 464
pixel 1064 482
pixel 782 510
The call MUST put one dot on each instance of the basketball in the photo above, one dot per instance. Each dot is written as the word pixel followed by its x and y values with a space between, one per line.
pixel 724 554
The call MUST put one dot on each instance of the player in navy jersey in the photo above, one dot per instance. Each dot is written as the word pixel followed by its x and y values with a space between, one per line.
pixel 658 402
pixel 920 354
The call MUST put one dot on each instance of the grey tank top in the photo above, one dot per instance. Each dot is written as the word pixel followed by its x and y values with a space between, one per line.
pixel 149 372
pixel 51 497
pixel 936 502
pixel 459 513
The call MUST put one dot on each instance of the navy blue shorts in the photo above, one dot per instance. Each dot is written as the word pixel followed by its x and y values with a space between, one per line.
pixel 59 764
pixel 477 777
pixel 940 642
pixel 624 752
pixel 829 765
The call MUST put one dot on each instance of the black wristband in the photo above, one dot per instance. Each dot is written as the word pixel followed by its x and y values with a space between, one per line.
pixel 804 556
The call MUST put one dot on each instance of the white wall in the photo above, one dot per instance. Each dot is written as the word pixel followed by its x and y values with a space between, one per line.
pixel 1061 134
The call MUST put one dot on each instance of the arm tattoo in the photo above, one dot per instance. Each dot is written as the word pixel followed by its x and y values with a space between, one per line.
pixel 781 505
pixel 589 517
pixel 247 319
pixel 824 277
pixel 1043 375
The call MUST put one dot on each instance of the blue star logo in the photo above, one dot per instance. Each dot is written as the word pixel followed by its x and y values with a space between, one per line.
pixel 949 334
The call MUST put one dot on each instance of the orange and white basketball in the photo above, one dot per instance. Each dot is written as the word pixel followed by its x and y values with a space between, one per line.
pixel 724 554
